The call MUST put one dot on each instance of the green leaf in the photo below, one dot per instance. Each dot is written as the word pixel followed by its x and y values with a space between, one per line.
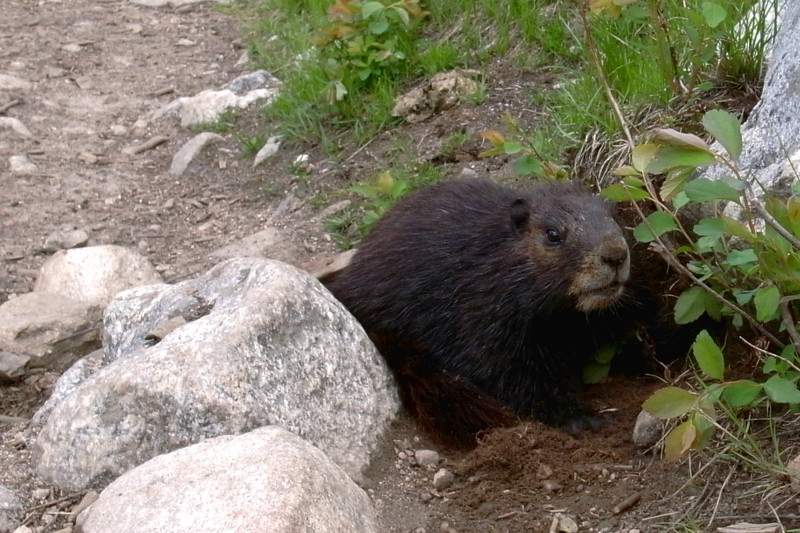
pixel 706 190
pixel 679 156
pixel 402 14
pixel 618 192
pixel 595 372
pixel 679 441
pixel 766 301
pixel 378 27
pixel 669 402
pixel 782 390
pixel 527 165
pixel 714 14
pixel 369 8
pixel 742 257
pixel 680 200
pixel 741 393
pixel 709 226
pixel 677 138
pixel 712 306
pixel 642 155
pixel 658 223
pixel 774 365
pixel 512 147
pixel 674 182
pixel 736 228
pixel 690 305
pixel 725 128
pixel 709 356
pixel 605 354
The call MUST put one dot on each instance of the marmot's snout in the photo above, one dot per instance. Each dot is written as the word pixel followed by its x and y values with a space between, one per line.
pixel 603 275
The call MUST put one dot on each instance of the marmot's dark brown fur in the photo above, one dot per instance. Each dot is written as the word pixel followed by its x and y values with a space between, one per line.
pixel 485 300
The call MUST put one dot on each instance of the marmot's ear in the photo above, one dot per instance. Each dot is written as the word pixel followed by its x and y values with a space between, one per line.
pixel 520 213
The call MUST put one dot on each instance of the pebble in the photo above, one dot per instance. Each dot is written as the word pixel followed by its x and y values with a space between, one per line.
pixel 40 494
pixel 564 524
pixel 88 499
pixel 118 130
pixel 426 457
pixel 15 125
pixel 65 239
pixel 269 149
pixel 21 165
pixel 14 83
pixel 190 150
pixel 443 479
pixel 647 430
pixel 793 470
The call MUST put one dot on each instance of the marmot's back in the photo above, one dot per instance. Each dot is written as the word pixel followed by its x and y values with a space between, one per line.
pixel 488 289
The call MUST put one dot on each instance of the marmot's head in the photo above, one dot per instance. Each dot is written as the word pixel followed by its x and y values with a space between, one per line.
pixel 574 244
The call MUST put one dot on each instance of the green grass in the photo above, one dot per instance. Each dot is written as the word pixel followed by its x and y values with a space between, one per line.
pixel 373 196
pixel 530 34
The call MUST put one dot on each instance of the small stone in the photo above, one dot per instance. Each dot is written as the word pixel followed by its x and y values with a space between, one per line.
pixel 21 165
pixel 84 82
pixel 647 430
pixel 14 83
pixel 72 47
pixel 269 149
pixel 65 240
pixel 16 126
pixel 118 130
pixel 40 494
pixel 793 471
pixel 12 366
pixel 548 485
pixel 55 72
pixel 428 458
pixel 443 479
pixel 564 524
pixel 88 499
pixel 190 150
pixel 88 157
pixel 186 42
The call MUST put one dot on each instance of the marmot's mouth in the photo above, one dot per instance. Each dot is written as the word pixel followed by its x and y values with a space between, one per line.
pixel 600 298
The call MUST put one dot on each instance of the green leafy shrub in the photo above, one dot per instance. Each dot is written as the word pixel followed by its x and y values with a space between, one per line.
pixel 745 269
pixel 366 41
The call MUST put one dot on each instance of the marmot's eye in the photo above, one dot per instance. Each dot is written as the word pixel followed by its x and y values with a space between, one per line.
pixel 553 235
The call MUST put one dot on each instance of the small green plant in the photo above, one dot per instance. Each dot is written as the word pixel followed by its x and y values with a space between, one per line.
pixel 366 41
pixel 381 195
pixel 376 197
pixel 745 269
pixel 524 147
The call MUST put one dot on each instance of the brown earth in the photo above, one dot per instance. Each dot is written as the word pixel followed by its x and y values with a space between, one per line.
pixel 97 66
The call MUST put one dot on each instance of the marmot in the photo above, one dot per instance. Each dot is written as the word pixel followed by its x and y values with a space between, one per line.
pixel 487 302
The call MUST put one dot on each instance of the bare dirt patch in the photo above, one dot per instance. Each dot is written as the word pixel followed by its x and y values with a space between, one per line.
pixel 95 67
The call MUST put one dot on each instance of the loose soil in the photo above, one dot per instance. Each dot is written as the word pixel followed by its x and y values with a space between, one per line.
pixel 98 66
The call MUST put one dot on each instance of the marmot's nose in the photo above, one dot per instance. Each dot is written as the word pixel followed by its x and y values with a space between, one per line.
pixel 614 252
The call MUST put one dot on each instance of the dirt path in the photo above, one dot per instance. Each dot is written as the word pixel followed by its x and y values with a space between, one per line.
pixel 84 72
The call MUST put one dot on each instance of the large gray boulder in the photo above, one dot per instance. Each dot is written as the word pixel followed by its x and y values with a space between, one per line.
pixel 256 342
pixel 268 480
pixel 771 134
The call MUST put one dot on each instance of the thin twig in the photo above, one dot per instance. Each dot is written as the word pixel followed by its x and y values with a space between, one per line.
pixel 719 496
pixel 788 321
pixel 770 354
pixel 9 105
pixel 673 262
